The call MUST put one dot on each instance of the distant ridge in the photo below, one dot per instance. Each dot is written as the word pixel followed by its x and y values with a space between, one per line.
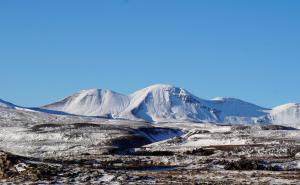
pixel 166 103
pixel 6 104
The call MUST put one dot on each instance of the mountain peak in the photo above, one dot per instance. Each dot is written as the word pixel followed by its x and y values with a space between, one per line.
pixel 165 103
pixel 160 88
pixel 162 102
pixel 89 91
pixel 95 91
pixel 156 87
pixel 92 102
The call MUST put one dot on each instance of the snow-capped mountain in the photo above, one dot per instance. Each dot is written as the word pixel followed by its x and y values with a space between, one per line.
pixel 288 114
pixel 159 103
pixel 237 111
pixel 92 102
pixel 166 103
pixel 162 103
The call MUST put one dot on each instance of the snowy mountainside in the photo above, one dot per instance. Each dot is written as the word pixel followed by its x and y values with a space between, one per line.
pixel 166 103
pixel 237 111
pixel 92 102
pixel 157 103
pixel 288 114
pixel 163 103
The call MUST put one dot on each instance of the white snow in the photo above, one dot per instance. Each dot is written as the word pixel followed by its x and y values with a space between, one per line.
pixel 212 142
pixel 288 114
pixel 159 103
pixel 92 102
pixel 21 167
pixel 165 103
pixel 237 111
pixel 106 178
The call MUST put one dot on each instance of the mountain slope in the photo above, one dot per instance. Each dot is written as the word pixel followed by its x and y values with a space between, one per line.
pixel 166 103
pixel 7 104
pixel 162 103
pixel 92 102
pixel 159 103
pixel 288 114
pixel 236 111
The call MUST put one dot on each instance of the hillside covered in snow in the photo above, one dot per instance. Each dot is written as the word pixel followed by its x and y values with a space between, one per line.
pixel 166 103
pixel 101 136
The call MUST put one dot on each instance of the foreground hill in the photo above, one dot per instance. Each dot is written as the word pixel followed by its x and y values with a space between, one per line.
pixel 39 148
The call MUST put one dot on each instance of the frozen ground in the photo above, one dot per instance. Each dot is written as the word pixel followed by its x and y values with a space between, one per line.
pixel 42 148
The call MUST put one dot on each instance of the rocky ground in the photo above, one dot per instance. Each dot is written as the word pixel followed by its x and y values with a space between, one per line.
pixel 76 150
pixel 193 168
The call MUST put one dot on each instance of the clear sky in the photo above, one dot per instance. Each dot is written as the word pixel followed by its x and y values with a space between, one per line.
pixel 248 49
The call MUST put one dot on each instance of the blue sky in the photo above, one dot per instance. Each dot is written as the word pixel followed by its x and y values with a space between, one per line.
pixel 244 49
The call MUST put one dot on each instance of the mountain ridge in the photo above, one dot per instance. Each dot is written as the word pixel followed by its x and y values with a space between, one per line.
pixel 167 103
pixel 6 104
